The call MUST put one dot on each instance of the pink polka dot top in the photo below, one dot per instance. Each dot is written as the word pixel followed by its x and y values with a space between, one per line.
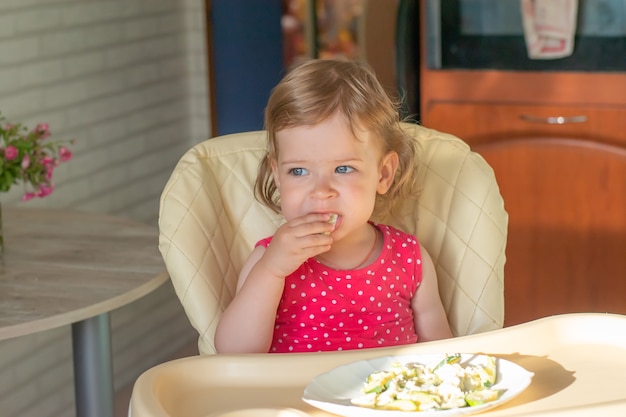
pixel 324 309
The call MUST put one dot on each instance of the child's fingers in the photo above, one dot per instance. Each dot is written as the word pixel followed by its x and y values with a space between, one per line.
pixel 314 223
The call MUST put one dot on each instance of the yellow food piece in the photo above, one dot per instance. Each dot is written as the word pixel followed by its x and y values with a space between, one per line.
pixel 401 405
pixel 332 220
pixel 490 370
pixel 481 397
pixel 424 401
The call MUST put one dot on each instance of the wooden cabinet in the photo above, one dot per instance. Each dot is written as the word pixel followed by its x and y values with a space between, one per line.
pixel 557 143
pixel 483 123
pixel 484 106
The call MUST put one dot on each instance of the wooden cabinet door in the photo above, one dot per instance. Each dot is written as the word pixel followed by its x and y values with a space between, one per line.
pixel 479 123
pixel 566 248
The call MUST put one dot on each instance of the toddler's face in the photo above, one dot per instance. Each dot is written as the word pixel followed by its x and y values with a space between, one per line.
pixel 325 169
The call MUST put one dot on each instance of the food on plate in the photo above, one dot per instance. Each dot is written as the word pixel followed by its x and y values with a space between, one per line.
pixel 415 386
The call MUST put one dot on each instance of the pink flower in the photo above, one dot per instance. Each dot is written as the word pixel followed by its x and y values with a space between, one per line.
pixel 49 161
pixel 43 129
pixel 49 169
pixel 26 161
pixel 28 196
pixel 10 153
pixel 45 190
pixel 29 159
pixel 65 154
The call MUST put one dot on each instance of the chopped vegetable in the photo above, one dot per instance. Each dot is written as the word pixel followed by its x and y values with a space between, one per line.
pixel 481 397
pixel 456 358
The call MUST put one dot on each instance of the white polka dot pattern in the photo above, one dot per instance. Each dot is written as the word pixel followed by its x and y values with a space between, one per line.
pixel 327 309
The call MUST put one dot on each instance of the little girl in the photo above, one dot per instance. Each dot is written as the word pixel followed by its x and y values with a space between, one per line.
pixel 330 278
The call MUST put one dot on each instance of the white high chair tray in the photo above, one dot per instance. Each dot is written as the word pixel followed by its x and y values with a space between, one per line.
pixel 578 362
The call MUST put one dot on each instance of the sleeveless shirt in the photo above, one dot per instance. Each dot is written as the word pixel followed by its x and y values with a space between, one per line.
pixel 324 309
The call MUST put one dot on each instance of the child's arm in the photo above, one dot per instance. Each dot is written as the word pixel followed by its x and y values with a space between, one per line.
pixel 247 324
pixel 431 322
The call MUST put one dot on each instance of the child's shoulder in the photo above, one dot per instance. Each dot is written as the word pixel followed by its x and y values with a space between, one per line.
pixel 394 231
pixel 264 242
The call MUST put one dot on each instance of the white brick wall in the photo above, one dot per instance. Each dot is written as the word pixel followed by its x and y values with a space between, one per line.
pixel 127 79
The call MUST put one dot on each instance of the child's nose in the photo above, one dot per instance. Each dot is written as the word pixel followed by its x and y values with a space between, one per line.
pixel 323 188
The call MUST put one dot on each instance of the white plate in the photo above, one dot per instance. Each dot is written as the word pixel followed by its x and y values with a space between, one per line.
pixel 263 412
pixel 333 390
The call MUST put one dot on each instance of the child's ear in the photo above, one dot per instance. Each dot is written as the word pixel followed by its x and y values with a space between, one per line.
pixel 388 168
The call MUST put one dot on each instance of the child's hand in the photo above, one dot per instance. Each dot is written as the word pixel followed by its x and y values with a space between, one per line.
pixel 296 241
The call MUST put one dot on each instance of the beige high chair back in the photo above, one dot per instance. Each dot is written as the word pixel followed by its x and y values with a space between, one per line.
pixel 210 220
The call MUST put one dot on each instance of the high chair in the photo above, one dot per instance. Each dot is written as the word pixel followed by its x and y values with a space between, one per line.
pixel 210 220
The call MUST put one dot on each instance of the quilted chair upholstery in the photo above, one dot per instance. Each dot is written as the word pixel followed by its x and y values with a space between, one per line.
pixel 209 222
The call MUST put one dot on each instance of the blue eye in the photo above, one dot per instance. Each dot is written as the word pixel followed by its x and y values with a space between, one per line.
pixel 298 171
pixel 344 169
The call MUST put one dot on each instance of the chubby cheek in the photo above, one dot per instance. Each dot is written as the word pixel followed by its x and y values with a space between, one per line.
pixel 291 199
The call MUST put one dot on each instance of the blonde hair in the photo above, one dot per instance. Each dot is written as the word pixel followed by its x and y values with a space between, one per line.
pixel 315 90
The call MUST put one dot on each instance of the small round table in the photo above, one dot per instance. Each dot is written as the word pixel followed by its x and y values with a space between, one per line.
pixel 63 267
